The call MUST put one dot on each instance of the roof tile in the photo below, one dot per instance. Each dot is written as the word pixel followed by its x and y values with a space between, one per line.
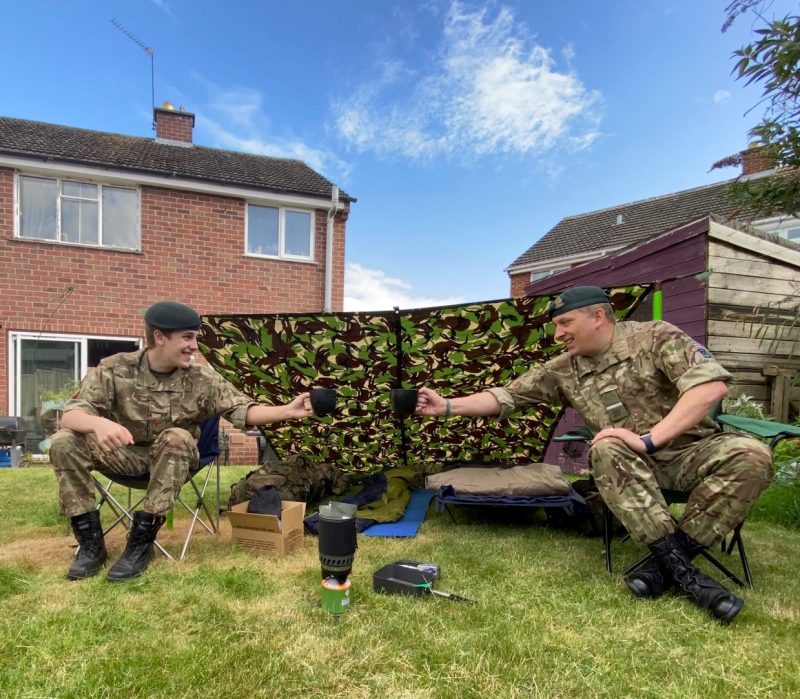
pixel 36 140
pixel 640 220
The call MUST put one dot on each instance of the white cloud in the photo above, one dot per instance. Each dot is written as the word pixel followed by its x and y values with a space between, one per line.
pixel 492 90
pixel 368 289
pixel 163 6
pixel 241 124
pixel 721 96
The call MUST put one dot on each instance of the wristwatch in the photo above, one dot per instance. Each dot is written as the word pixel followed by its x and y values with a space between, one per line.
pixel 649 446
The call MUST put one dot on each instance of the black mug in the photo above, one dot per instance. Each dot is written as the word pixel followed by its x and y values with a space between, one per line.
pixel 323 401
pixel 404 400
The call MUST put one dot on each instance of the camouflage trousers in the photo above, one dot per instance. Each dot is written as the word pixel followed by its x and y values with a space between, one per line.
pixel 725 473
pixel 168 461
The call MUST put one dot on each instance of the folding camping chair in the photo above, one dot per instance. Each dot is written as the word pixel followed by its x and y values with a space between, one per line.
pixel 766 429
pixel 208 445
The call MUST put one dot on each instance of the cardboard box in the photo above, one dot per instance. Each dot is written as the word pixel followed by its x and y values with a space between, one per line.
pixel 265 533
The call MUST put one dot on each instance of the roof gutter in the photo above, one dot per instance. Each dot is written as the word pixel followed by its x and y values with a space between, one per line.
pixel 132 177
pixel 571 260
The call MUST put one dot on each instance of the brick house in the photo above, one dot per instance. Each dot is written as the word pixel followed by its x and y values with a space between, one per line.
pixel 97 226
pixel 578 239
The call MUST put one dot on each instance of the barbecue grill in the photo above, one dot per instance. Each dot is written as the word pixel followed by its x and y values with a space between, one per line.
pixel 12 434
pixel 12 431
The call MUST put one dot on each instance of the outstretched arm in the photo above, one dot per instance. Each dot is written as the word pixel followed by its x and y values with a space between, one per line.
pixel 299 408
pixel 478 404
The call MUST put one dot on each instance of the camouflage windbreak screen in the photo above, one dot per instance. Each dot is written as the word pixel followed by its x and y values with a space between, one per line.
pixel 455 350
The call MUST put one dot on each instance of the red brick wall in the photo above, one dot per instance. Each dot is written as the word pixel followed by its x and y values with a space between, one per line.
pixel 192 252
pixel 175 126
pixel 6 299
pixel 754 160
pixel 518 282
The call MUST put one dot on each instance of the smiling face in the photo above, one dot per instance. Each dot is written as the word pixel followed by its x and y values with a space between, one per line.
pixel 173 350
pixel 584 331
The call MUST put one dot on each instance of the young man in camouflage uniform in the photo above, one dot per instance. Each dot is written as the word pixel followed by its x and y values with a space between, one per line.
pixel 645 390
pixel 139 413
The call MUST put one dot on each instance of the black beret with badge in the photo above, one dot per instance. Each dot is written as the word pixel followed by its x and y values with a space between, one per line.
pixel 577 297
pixel 170 315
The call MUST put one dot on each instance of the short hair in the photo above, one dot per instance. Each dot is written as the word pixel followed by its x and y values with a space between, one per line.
pixel 607 307
pixel 150 335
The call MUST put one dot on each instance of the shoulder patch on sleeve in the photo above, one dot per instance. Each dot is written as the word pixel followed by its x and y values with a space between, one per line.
pixel 702 349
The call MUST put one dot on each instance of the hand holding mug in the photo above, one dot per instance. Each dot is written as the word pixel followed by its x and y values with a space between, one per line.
pixel 323 401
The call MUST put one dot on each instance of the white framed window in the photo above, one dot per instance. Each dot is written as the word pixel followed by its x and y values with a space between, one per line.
pixel 41 364
pixel 278 231
pixel 785 226
pixel 79 213
pixel 543 273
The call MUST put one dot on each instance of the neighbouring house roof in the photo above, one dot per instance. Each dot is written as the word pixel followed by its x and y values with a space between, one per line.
pixel 626 224
pixel 67 144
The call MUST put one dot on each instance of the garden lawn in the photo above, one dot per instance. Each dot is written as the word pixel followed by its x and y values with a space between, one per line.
pixel 548 620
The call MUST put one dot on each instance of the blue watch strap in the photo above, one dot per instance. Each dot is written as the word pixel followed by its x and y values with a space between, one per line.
pixel 649 446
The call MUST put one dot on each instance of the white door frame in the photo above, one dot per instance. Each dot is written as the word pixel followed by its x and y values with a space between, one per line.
pixel 14 358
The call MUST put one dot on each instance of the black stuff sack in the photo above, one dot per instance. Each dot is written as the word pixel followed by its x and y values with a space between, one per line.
pixel 265 501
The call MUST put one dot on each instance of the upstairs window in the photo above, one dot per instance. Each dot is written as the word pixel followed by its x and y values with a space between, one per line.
pixel 83 213
pixel 792 233
pixel 544 273
pixel 274 231
pixel 785 226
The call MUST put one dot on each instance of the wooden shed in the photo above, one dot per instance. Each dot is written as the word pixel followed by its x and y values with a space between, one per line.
pixel 735 290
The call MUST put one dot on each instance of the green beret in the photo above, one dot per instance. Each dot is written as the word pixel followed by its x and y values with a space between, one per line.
pixel 577 297
pixel 169 315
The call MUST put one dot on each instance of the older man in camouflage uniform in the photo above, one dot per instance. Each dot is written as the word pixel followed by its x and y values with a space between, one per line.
pixel 140 413
pixel 645 390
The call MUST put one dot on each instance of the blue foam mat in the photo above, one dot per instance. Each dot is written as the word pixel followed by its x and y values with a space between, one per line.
pixel 409 524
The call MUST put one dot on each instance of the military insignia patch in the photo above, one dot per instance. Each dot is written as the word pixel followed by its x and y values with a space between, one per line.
pixel 702 350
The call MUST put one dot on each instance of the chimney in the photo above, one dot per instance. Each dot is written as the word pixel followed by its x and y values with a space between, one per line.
pixel 755 160
pixel 173 126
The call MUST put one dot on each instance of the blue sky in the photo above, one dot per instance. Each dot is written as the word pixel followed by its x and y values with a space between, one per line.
pixel 466 130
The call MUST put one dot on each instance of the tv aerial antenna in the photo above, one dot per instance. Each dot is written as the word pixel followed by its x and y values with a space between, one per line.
pixel 150 52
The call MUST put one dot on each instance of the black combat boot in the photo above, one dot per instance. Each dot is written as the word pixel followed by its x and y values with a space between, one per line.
pixel 91 548
pixel 707 593
pixel 139 550
pixel 689 545
pixel 650 580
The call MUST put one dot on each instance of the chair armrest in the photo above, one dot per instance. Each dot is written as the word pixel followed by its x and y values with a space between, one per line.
pixel 579 434
pixel 766 429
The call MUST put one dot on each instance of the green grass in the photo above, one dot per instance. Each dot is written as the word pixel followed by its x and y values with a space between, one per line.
pixel 549 621
pixel 780 504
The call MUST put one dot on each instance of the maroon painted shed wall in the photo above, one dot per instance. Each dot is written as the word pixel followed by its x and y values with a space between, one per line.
pixel 681 253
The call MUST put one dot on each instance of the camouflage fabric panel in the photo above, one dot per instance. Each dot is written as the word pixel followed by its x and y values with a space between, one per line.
pixel 275 357
pixel 454 349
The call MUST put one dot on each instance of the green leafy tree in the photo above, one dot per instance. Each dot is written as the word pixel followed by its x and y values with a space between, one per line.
pixel 772 60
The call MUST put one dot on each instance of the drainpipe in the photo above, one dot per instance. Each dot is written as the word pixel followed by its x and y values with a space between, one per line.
pixel 329 250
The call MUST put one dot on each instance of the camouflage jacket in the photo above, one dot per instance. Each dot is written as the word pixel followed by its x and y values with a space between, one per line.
pixel 123 389
pixel 634 384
